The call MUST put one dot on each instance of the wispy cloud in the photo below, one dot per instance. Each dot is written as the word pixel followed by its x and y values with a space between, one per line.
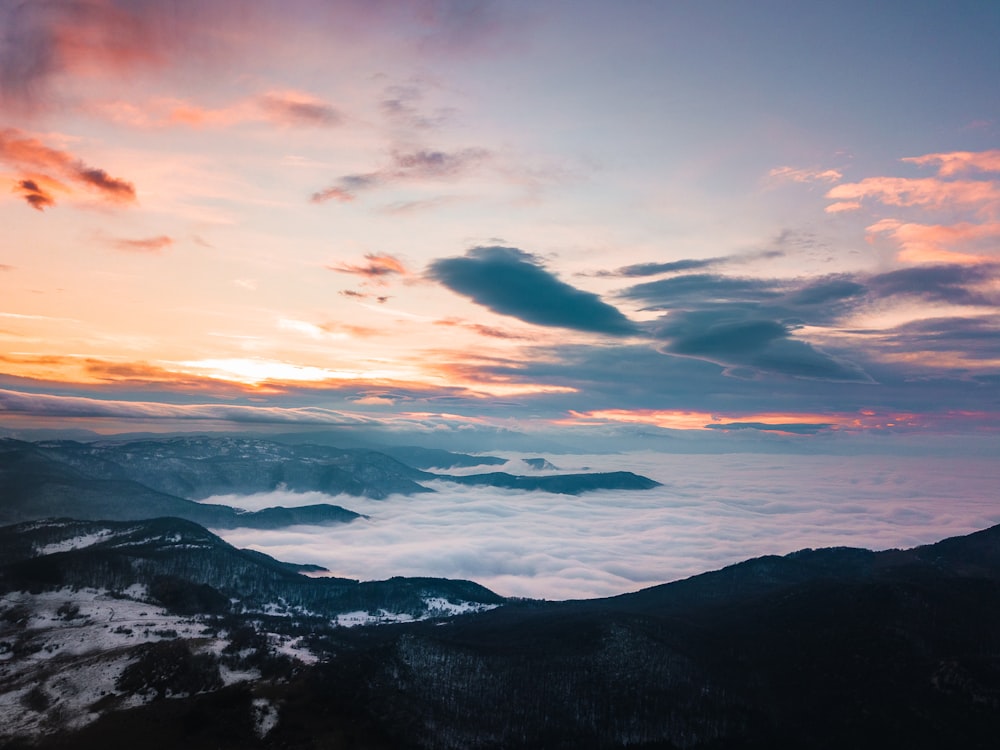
pixel 957 162
pixel 403 106
pixel 483 330
pixel 290 108
pixel 923 192
pixel 42 405
pixel 687 264
pixel 376 269
pixel 407 166
pixel 153 245
pixel 800 174
pixel 298 108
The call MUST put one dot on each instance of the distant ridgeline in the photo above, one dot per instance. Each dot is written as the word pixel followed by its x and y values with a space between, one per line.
pixel 152 478
pixel 206 646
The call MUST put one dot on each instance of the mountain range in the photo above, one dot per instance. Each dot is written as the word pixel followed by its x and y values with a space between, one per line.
pixel 131 480
pixel 827 648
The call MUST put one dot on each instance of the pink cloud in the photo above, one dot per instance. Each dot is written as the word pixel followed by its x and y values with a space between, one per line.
pixel 927 192
pixel 946 220
pixel 288 108
pixel 56 42
pixel 105 38
pixel 334 193
pixel 841 206
pixel 145 244
pixel 940 243
pixel 794 174
pixel 958 162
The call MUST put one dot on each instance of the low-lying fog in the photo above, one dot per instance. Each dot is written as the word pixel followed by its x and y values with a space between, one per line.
pixel 713 510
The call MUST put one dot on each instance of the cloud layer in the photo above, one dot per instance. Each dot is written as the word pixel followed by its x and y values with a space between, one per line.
pixel 712 511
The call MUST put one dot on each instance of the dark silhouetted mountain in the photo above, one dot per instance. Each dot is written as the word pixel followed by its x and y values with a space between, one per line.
pixel 198 467
pixel 34 485
pixel 540 464
pixel 152 478
pixel 435 458
pixel 563 484
pixel 117 555
pixel 830 649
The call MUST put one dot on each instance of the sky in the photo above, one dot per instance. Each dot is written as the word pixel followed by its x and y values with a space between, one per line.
pixel 640 224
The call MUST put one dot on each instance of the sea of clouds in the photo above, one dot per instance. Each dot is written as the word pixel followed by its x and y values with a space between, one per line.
pixel 712 510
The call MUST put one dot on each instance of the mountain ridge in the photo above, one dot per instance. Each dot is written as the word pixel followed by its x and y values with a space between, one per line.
pixel 828 648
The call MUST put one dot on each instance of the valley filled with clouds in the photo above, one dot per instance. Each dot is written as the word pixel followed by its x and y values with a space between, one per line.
pixel 712 511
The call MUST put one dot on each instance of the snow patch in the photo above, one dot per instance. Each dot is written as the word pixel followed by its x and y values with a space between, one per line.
pixel 440 607
pixel 360 617
pixel 435 606
pixel 76 542
pixel 265 716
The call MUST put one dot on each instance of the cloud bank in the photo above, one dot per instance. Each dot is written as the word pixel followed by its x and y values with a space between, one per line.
pixel 713 511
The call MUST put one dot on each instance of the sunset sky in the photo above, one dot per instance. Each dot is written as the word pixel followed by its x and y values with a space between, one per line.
pixel 774 220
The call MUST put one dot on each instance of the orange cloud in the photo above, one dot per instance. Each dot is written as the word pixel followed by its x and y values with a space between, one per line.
pixel 28 154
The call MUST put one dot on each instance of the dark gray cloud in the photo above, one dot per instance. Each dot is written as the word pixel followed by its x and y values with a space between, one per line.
pixel 113 187
pixel 954 284
pixel 796 428
pixel 512 282
pixel 36 196
pixel 752 325
pixel 760 345
pixel 296 110
pixel 702 289
pixel 974 337
pixel 688 264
